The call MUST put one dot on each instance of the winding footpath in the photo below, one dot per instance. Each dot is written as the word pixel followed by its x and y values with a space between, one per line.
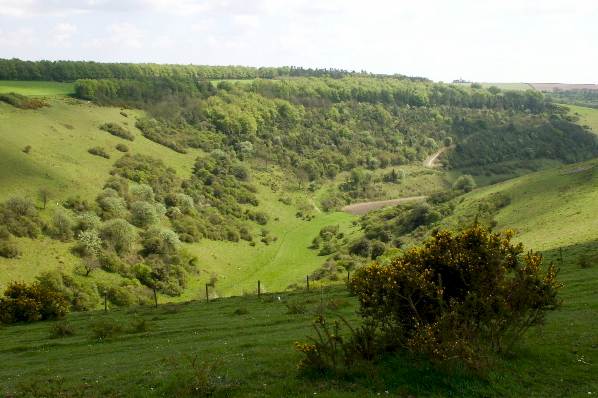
pixel 359 209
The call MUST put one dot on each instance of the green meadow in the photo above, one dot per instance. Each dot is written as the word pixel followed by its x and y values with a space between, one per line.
pixel 36 88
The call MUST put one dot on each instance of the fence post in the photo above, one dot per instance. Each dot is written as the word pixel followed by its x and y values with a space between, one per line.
pixel 307 280
pixel 105 300
pixel 155 297
pixel 207 294
pixel 259 289
pixel 348 276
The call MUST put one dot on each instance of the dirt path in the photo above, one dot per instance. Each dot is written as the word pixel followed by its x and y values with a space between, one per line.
pixel 430 161
pixel 359 209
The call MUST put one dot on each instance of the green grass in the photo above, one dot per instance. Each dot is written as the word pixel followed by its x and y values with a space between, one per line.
pixel 588 116
pixel 549 209
pixel 36 88
pixel 254 356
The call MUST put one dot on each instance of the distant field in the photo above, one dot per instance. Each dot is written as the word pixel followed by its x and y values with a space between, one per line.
pixel 36 88
pixel 503 86
pixel 563 86
pixel 588 116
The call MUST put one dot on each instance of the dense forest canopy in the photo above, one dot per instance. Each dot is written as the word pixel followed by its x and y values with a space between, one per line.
pixel 68 71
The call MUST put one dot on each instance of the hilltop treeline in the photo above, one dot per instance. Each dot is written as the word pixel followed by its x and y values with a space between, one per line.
pixel 68 71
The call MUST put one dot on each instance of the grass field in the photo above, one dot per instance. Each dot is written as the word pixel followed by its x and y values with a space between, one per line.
pixel 588 116
pixel 187 349
pixel 36 88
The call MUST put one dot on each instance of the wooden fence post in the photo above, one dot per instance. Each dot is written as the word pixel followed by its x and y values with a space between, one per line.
pixel 259 289
pixel 207 294
pixel 307 280
pixel 348 276
pixel 155 297
pixel 105 300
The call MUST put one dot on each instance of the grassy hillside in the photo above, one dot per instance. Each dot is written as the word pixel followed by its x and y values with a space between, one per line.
pixel 61 134
pixel 36 88
pixel 549 209
pixel 588 116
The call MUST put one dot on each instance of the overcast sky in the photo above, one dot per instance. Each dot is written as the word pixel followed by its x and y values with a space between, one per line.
pixel 479 40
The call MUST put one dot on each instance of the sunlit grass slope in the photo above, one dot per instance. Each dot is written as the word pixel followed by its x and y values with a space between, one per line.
pixel 36 88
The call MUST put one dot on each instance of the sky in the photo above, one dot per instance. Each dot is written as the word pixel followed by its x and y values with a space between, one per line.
pixel 477 40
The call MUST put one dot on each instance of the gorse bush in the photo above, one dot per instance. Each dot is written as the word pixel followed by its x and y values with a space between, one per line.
pixel 28 303
pixel 457 296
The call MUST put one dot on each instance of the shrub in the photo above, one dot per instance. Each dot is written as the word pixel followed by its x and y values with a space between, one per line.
pixel 457 296
pixel 295 308
pixel 87 221
pixel 142 192
pixel 143 214
pixel 62 225
pixel 89 243
pixel 139 326
pixel 20 217
pixel 118 235
pixel 99 151
pixel 122 148
pixel 22 101
pixel 111 205
pixel 117 131
pixel 27 149
pixel 160 241
pixel 81 296
pixel 464 183
pixel 9 249
pixel 106 328
pixel 61 329
pixel 28 303
pixel 361 248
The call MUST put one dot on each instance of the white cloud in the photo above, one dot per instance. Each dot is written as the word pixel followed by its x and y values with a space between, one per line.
pixel 519 40
pixel 62 34
pixel 121 35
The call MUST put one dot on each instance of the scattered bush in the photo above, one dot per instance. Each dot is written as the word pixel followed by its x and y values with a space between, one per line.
pixel 22 101
pixel 464 183
pixel 122 148
pixel 61 329
pixel 106 328
pixel 99 151
pixel 62 225
pixel 20 217
pixel 295 308
pixel 28 303
pixel 139 326
pixel 117 131
pixel 27 149
pixel 143 214
pixel 118 235
pixel 9 249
